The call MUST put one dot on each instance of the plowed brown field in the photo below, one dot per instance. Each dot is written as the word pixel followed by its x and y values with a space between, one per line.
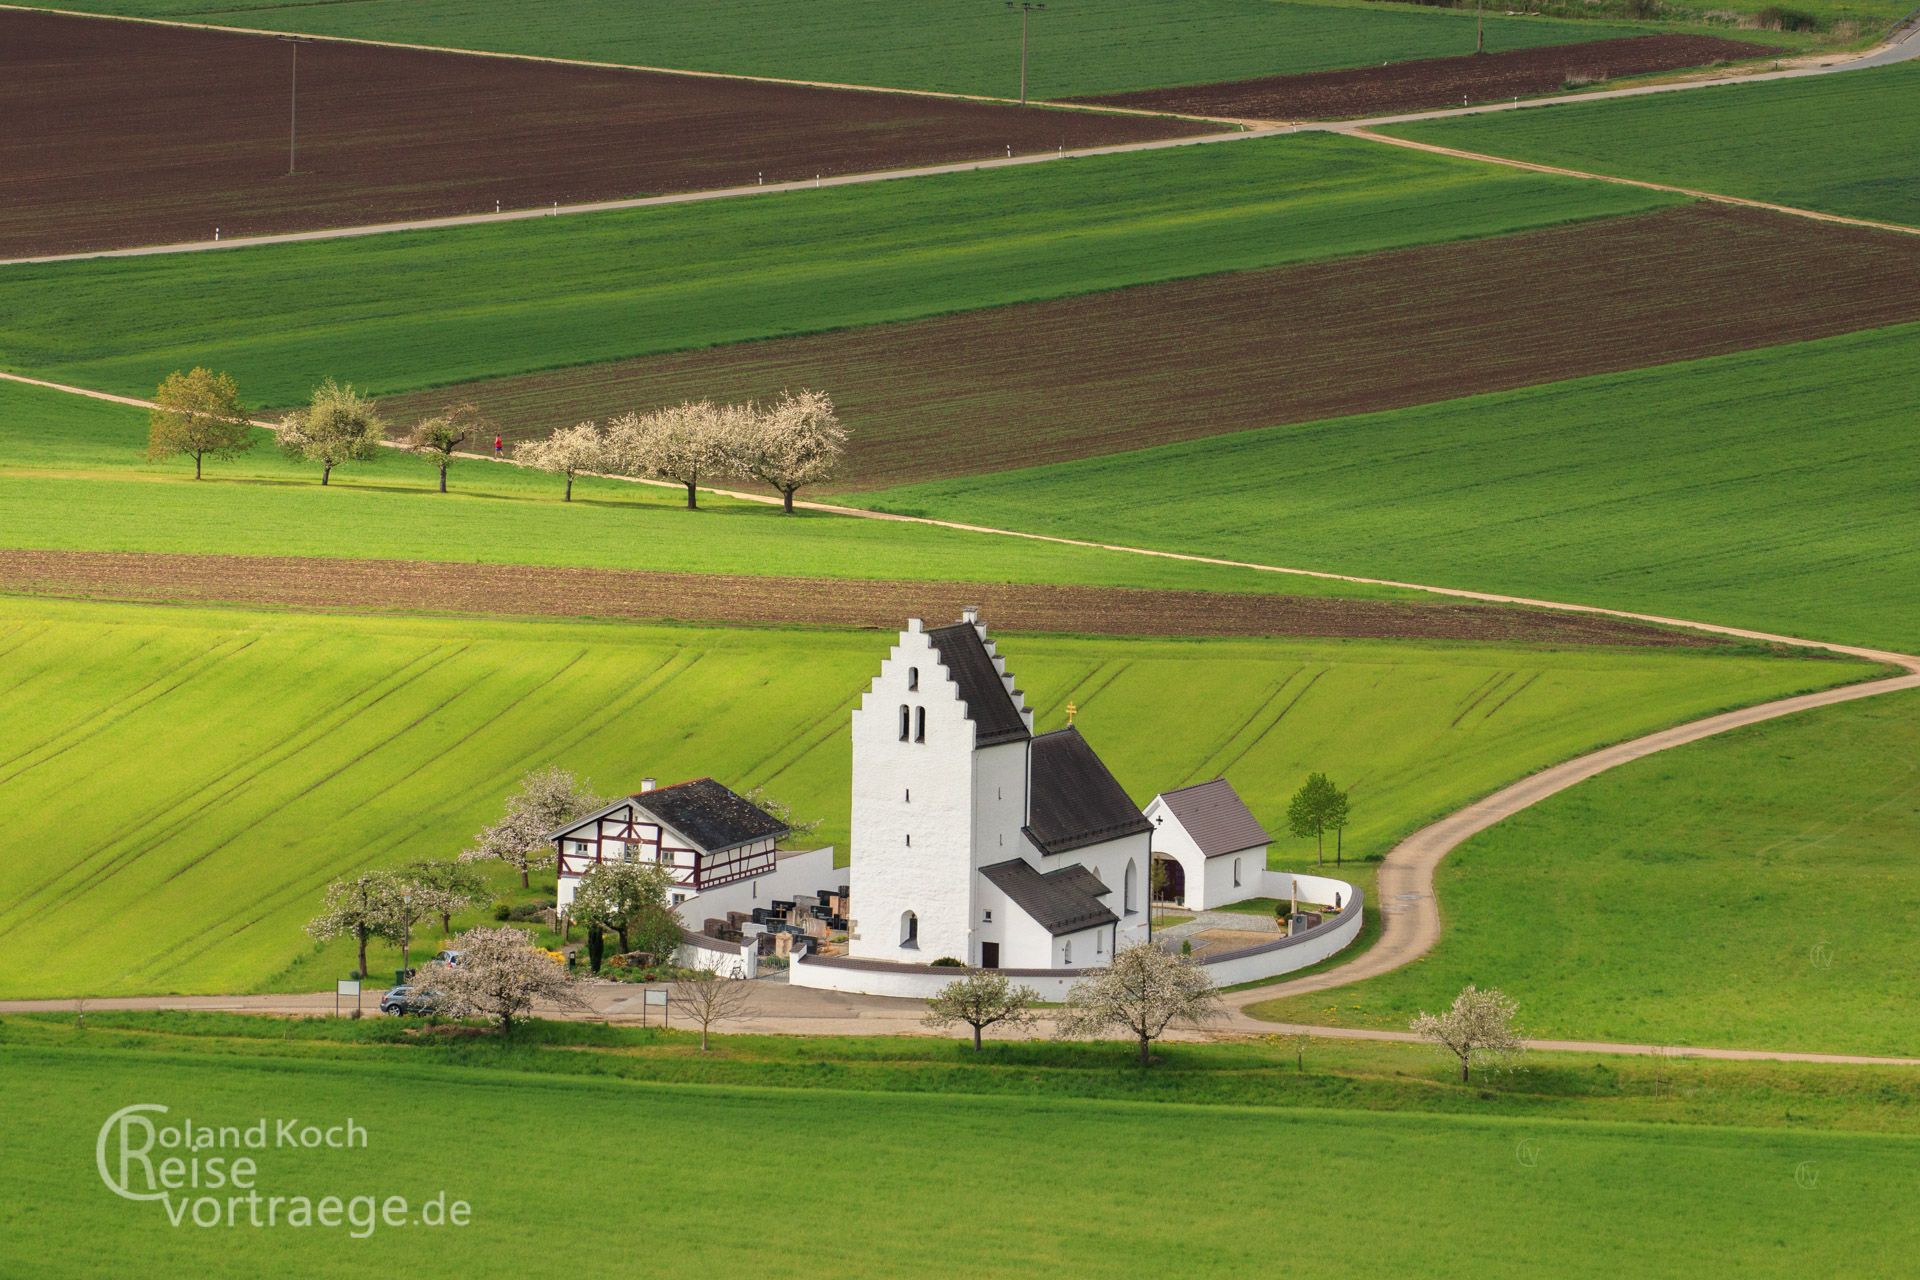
pixel 1437 82
pixel 119 133
pixel 406 586
pixel 1052 381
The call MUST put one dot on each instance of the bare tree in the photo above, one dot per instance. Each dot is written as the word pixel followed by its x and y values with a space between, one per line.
pixel 569 452
pixel 629 898
pixel 1478 1027
pixel 547 800
pixel 454 884
pixel 501 975
pixel 797 441
pixel 1145 990
pixel 339 426
pixel 710 997
pixel 358 908
pixel 981 999
pixel 442 435
pixel 198 413
pixel 681 444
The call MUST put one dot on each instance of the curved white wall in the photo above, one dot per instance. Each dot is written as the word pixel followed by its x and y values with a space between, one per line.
pixel 1250 964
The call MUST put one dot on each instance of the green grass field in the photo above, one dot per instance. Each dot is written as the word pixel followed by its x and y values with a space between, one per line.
pixel 395 312
pixel 1845 143
pixel 192 778
pixel 1177 1187
pixel 1770 489
pixel 74 476
pixel 1750 890
pixel 1077 46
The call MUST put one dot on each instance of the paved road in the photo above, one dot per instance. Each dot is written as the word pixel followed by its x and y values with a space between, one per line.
pixel 778 1009
pixel 1900 46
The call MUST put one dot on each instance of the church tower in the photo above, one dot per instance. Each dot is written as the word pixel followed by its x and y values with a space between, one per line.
pixel 939 790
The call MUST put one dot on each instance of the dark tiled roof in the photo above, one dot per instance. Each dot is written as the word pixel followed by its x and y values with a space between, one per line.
pixel 995 717
pixel 710 815
pixel 1058 902
pixel 1074 801
pixel 1081 878
pixel 1217 818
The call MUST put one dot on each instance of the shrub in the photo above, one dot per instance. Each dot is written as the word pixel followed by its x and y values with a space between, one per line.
pixel 501 911
pixel 528 911
pixel 948 962
pixel 1775 18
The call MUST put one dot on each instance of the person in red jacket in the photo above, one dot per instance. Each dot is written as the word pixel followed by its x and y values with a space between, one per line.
pixel 498 448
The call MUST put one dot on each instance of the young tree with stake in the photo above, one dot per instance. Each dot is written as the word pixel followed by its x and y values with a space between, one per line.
pixel 547 800
pixel 198 413
pixel 709 998
pixel 1145 990
pixel 981 999
pixel 1339 813
pixel 795 442
pixel 339 426
pixel 1310 811
pixel 569 452
pixel 359 908
pixel 1478 1027
pixel 440 436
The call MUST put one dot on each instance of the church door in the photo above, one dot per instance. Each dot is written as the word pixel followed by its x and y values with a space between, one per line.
pixel 989 955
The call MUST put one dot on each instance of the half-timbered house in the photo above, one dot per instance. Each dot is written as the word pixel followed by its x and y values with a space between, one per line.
pixel 709 834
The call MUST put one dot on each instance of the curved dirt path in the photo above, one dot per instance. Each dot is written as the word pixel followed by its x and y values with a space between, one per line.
pixel 1410 912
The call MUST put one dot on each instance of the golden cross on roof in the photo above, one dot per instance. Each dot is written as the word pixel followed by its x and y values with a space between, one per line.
pixel 1072 710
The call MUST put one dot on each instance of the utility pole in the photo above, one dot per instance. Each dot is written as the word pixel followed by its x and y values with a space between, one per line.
pixel 1480 26
pixel 293 102
pixel 1025 7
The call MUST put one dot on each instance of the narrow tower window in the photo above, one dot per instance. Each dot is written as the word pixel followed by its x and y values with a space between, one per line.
pixel 903 722
pixel 919 724
pixel 913 678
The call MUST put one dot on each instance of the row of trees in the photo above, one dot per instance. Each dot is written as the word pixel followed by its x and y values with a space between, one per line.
pixel 199 415
pixel 796 441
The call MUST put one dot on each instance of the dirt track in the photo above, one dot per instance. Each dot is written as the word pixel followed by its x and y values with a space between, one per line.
pixel 1437 82
pixel 1020 386
pixel 120 133
pixel 540 591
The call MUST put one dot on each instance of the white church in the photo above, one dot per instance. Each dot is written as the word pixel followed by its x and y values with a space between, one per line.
pixel 975 839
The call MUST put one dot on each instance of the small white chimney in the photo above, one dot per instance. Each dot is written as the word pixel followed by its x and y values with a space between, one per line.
pixel 971 614
pixel 646 785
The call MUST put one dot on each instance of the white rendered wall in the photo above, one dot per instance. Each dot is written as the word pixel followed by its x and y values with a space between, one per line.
pixel 913 812
pixel 1256 963
pixel 1220 888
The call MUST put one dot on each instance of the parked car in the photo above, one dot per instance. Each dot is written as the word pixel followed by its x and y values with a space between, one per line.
pixel 447 956
pixel 407 999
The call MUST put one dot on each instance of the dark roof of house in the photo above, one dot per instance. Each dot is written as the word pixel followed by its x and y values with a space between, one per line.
pixel 711 815
pixel 1217 818
pixel 1063 901
pixel 989 704
pixel 1073 800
